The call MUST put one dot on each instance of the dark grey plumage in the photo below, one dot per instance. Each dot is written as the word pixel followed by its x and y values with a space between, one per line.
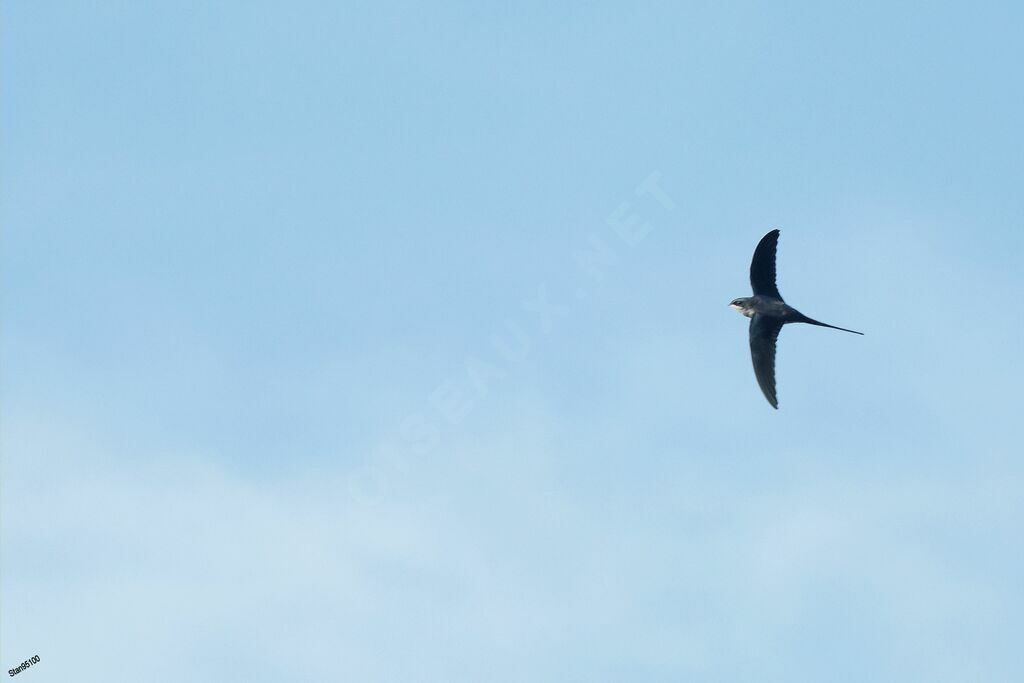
pixel 768 313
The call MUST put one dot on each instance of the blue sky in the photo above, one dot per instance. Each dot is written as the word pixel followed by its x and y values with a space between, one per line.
pixel 307 374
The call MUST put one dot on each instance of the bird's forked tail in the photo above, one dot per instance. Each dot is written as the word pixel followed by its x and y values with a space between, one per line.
pixel 812 321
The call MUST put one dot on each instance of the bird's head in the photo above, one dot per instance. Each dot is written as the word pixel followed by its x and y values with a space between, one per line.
pixel 742 306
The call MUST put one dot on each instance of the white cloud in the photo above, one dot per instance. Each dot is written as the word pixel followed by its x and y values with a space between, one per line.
pixel 485 562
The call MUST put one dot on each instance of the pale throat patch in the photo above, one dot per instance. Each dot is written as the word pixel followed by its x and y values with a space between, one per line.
pixel 742 311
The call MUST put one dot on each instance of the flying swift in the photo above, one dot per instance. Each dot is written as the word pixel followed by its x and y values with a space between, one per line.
pixel 768 313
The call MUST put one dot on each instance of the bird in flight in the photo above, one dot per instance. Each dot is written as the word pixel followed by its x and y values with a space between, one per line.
pixel 768 313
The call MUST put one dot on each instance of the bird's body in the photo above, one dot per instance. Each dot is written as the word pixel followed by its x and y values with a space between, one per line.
pixel 768 313
pixel 767 306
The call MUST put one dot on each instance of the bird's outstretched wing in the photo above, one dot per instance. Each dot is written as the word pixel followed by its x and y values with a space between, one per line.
pixel 763 334
pixel 762 266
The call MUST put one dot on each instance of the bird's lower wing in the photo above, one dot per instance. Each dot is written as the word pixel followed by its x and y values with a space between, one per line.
pixel 763 334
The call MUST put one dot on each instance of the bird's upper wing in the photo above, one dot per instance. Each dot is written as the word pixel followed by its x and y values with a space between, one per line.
pixel 763 333
pixel 762 266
